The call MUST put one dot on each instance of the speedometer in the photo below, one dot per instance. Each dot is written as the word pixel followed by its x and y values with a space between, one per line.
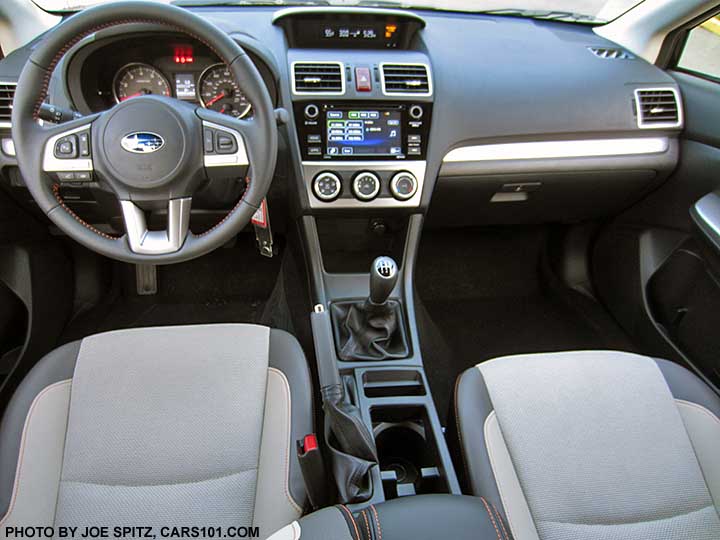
pixel 220 92
pixel 138 79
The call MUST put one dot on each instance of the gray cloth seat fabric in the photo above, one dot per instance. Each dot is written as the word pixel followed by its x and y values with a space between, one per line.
pixel 592 445
pixel 171 426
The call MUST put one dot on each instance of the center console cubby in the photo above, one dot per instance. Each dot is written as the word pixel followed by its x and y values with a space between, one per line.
pixel 410 462
pixel 413 455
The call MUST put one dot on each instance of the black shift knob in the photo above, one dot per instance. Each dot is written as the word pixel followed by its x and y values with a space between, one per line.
pixel 383 277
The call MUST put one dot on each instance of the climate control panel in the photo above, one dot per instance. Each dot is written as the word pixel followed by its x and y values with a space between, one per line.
pixel 379 184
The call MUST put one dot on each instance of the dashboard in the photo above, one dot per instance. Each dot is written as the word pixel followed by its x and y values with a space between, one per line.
pixel 172 65
pixel 467 118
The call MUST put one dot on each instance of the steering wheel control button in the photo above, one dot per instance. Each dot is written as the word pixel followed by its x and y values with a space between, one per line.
pixel 311 111
pixel 66 147
pixel 225 143
pixel 84 144
pixel 403 186
pixel 66 176
pixel 326 186
pixel 208 141
pixel 363 83
pixel 366 186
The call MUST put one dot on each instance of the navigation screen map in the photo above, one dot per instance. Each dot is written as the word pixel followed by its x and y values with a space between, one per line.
pixel 363 133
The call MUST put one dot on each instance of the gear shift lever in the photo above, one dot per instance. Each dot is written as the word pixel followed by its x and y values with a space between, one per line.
pixel 373 328
pixel 383 277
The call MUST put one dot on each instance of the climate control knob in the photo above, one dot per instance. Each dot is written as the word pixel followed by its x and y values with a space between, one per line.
pixel 403 186
pixel 327 186
pixel 366 186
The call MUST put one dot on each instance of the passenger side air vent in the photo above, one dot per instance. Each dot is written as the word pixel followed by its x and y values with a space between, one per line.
pixel 318 78
pixel 406 79
pixel 7 93
pixel 658 108
pixel 611 53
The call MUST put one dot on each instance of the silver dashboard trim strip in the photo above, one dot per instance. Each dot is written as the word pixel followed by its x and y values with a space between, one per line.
pixel 558 149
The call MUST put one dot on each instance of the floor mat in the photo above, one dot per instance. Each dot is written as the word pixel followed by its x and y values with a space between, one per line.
pixel 227 285
pixel 487 293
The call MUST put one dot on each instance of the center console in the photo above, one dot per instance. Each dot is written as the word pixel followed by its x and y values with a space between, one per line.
pixel 363 154
pixel 362 104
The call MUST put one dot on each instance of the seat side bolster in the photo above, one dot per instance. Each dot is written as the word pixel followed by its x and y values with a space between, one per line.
pixel 39 464
pixel 472 407
pixel 59 365
pixel 687 386
pixel 519 518
pixel 703 428
pixel 287 357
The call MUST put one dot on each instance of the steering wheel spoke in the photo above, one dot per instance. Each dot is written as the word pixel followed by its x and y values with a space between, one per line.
pixel 67 151
pixel 224 148
pixel 143 241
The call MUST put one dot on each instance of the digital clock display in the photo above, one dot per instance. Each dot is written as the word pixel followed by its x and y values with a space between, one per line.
pixel 383 35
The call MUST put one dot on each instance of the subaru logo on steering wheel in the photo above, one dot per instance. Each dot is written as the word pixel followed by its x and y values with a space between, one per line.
pixel 142 142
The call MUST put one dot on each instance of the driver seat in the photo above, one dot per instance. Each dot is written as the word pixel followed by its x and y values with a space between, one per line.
pixel 168 426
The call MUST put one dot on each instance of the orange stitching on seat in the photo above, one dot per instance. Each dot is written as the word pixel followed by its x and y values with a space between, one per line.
pixel 491 517
pixel 352 519
pixel 367 525
pixel 377 520
pixel 56 192
pixel 500 519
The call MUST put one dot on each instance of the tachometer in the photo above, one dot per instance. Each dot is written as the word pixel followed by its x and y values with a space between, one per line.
pixel 219 91
pixel 138 79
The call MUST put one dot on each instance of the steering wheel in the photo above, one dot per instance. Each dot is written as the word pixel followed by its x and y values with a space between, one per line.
pixel 150 151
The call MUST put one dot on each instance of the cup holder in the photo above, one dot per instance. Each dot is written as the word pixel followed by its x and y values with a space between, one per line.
pixel 408 454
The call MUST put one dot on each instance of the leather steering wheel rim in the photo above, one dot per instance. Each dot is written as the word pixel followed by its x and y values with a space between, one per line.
pixel 259 135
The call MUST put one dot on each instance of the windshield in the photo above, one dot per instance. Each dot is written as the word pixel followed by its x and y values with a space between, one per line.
pixel 595 11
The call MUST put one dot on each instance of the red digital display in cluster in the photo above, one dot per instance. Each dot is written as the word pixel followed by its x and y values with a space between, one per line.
pixel 183 54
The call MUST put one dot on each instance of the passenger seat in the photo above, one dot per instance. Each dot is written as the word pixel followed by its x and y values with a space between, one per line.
pixel 597 445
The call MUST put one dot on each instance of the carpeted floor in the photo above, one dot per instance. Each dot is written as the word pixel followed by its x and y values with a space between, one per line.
pixel 227 285
pixel 490 292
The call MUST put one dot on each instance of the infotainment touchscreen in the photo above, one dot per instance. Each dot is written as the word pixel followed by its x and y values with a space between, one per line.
pixel 363 132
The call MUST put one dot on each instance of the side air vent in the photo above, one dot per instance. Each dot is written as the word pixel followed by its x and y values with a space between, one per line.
pixel 406 79
pixel 7 93
pixel 318 78
pixel 658 108
pixel 611 53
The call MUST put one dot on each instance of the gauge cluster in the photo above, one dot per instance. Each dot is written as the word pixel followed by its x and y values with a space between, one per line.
pixel 123 69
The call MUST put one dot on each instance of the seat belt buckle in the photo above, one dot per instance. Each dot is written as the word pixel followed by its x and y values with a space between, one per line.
pixel 312 467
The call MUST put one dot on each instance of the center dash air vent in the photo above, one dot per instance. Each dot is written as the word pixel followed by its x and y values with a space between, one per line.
pixel 7 93
pixel 611 53
pixel 406 79
pixel 658 108
pixel 318 78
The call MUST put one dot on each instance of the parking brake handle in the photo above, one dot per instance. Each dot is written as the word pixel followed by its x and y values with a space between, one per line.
pixel 350 444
